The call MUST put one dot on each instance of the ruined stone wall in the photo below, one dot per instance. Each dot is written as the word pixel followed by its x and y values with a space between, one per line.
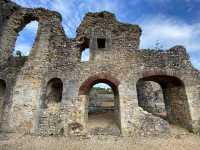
pixel 8 73
pixel 150 97
pixel 6 10
pixel 121 64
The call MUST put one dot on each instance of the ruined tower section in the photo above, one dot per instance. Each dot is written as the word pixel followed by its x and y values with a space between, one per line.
pixel 9 66
pixel 24 75
pixel 104 35
pixel 114 60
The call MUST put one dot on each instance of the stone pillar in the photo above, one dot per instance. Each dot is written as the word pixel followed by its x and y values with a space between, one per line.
pixel 25 104
pixel 193 95
pixel 127 103
pixel 76 123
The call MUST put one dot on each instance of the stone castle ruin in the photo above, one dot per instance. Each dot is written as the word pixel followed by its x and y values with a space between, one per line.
pixel 47 92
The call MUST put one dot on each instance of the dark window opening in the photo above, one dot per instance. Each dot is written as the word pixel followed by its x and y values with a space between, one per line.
pixel 54 91
pixel 101 43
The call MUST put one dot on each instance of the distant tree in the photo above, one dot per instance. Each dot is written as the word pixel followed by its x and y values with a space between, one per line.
pixel 18 53
pixel 158 45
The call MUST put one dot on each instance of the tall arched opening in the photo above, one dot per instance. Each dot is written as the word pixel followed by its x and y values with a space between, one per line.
pixel 54 91
pixel 50 118
pixel 102 109
pixel 174 99
pixel 25 39
pixel 19 35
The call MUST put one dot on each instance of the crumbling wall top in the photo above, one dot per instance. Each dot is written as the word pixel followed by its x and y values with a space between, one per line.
pixel 106 22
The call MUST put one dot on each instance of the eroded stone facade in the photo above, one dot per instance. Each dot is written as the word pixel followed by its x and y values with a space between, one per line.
pixel 115 59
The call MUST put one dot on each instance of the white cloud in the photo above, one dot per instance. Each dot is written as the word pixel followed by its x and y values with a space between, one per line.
pixel 26 38
pixel 72 11
pixel 170 32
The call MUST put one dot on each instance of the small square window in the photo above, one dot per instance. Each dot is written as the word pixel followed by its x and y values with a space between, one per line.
pixel 101 43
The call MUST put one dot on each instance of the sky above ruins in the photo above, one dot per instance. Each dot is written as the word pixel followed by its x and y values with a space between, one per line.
pixel 167 22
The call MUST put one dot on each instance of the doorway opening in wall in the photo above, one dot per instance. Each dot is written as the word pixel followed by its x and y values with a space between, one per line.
pixel 25 40
pixel 165 96
pixel 103 110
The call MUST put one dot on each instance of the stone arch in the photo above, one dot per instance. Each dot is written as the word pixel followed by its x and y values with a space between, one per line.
pixel 175 98
pixel 97 78
pixel 50 112
pixel 28 36
pixel 54 89
pixel 102 78
pixel 14 25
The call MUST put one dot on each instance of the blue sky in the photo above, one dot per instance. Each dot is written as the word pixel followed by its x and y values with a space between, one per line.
pixel 171 22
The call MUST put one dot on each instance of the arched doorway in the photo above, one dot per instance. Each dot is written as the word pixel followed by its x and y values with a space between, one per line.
pixel 25 39
pixel 54 91
pixel 102 108
pixel 175 99
pixel 20 34
pixel 50 119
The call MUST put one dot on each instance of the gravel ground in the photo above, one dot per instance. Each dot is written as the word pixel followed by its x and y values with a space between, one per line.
pixel 179 139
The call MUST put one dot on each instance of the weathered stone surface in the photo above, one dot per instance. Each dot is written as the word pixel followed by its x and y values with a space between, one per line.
pixel 150 97
pixel 118 62
pixel 153 126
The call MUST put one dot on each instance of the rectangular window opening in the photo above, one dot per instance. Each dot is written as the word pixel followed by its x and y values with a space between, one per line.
pixel 101 42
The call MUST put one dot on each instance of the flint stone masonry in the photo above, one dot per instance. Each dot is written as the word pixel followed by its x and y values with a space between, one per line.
pixel 118 62
pixel 150 97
